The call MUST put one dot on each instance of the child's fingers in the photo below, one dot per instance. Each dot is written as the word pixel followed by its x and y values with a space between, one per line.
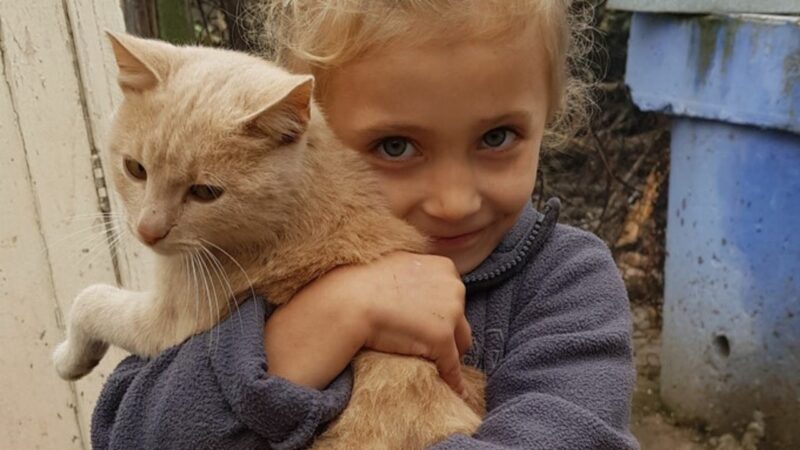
pixel 463 336
pixel 449 366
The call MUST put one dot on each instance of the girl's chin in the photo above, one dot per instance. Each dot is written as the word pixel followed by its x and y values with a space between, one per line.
pixel 465 261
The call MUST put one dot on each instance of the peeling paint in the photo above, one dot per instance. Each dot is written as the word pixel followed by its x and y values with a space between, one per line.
pixel 710 30
pixel 791 72
pixel 734 69
pixel 704 39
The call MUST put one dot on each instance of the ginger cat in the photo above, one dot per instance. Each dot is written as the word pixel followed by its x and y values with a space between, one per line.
pixel 224 156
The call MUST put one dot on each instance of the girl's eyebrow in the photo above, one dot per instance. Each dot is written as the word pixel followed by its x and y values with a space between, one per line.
pixel 517 116
pixel 389 128
pixel 386 128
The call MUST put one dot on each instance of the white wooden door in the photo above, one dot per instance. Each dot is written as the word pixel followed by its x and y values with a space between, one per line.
pixel 57 91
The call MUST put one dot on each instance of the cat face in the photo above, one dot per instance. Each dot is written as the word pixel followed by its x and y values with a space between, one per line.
pixel 203 143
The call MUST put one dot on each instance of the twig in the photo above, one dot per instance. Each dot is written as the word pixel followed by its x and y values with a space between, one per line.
pixel 598 149
pixel 203 16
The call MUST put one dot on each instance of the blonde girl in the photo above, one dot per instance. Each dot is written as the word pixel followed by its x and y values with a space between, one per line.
pixel 450 102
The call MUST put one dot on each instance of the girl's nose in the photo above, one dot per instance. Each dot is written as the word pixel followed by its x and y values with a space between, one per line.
pixel 454 195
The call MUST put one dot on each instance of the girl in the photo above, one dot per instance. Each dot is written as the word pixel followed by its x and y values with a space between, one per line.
pixel 450 102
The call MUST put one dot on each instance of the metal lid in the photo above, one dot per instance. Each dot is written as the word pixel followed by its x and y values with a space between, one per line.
pixel 742 69
pixel 709 6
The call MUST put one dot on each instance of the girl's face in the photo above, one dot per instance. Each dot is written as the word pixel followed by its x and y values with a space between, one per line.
pixel 453 131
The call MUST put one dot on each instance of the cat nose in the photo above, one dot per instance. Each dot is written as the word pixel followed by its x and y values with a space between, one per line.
pixel 151 235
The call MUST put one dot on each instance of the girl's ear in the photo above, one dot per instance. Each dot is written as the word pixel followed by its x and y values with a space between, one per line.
pixel 286 117
pixel 142 63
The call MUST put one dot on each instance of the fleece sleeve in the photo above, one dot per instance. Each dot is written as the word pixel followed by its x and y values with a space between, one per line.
pixel 213 391
pixel 567 375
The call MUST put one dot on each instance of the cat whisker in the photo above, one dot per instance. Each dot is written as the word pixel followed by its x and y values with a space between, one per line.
pixel 208 297
pixel 106 217
pixel 86 229
pixel 95 254
pixel 185 269
pixel 91 249
pixel 224 277
pixel 120 246
pixel 246 277
pixel 98 213
pixel 210 278
pixel 194 280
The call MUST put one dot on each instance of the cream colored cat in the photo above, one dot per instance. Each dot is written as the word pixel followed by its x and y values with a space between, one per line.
pixel 225 156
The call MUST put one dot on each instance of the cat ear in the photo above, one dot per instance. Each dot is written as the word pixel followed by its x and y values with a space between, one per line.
pixel 142 63
pixel 286 118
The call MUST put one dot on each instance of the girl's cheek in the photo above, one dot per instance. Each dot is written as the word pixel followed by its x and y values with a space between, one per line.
pixel 399 192
pixel 513 183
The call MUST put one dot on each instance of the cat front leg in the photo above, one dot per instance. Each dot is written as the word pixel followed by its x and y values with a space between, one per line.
pixel 83 349
pixel 101 315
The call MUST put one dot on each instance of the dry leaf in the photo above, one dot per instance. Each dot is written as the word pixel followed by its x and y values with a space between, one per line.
pixel 641 211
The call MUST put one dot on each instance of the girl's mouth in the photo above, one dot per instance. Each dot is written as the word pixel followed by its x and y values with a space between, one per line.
pixel 457 241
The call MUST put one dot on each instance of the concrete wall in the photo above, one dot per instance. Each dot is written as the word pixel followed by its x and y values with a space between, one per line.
pixel 57 91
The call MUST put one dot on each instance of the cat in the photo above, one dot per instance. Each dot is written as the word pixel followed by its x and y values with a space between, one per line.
pixel 224 155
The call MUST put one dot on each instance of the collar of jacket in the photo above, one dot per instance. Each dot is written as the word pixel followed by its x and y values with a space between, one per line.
pixel 524 239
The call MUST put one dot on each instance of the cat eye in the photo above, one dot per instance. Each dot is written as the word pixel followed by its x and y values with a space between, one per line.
pixel 205 192
pixel 135 169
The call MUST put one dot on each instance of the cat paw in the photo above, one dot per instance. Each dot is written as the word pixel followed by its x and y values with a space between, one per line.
pixel 72 364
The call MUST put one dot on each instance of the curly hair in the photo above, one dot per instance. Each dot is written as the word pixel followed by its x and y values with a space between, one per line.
pixel 314 36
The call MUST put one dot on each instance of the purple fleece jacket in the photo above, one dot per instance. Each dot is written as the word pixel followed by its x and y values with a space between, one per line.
pixel 551 330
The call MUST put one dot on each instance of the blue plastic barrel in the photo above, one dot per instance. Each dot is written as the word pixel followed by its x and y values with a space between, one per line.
pixel 731 330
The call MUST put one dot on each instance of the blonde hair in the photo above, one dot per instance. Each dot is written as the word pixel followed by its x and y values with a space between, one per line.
pixel 315 36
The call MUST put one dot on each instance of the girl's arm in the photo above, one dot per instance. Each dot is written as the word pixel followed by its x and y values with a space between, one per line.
pixel 221 389
pixel 566 377
pixel 404 303
pixel 213 391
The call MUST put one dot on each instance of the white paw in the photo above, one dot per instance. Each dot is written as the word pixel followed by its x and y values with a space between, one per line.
pixel 80 353
pixel 72 364
pixel 66 364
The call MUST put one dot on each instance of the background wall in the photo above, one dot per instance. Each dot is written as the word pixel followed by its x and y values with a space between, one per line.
pixel 57 91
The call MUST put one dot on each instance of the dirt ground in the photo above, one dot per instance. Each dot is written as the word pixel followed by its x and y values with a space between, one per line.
pixel 651 422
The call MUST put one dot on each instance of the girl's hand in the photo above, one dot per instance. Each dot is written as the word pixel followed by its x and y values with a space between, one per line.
pixel 404 303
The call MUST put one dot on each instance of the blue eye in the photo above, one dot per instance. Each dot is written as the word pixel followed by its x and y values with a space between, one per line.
pixel 396 148
pixel 498 137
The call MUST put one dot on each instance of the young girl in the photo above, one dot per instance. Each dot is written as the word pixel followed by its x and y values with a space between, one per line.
pixel 449 102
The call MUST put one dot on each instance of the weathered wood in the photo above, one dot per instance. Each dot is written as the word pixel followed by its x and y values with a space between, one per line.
pixel 140 17
pixel 51 247
pixel 36 408
pixel 97 69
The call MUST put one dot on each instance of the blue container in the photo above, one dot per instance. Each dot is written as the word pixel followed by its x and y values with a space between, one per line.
pixel 731 336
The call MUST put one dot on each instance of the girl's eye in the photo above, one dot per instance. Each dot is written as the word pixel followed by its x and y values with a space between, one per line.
pixel 135 169
pixel 498 138
pixel 205 192
pixel 396 149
